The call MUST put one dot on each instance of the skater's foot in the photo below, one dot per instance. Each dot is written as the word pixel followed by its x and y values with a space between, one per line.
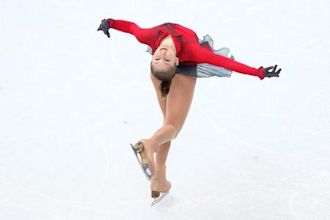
pixel 159 183
pixel 147 154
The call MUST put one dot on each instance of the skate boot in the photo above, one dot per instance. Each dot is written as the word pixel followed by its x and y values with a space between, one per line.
pixel 142 158
pixel 160 187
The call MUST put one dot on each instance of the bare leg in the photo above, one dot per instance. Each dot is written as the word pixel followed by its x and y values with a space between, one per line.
pixel 161 155
pixel 175 108
pixel 159 181
pixel 162 150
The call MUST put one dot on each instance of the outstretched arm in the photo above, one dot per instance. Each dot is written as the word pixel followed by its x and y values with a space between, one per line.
pixel 206 56
pixel 203 55
pixel 144 35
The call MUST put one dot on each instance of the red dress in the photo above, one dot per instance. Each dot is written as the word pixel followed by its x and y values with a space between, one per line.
pixel 188 49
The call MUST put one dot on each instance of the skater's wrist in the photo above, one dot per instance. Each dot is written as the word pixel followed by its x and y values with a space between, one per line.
pixel 111 22
pixel 260 73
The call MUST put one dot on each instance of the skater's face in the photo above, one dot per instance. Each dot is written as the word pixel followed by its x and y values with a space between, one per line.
pixel 164 58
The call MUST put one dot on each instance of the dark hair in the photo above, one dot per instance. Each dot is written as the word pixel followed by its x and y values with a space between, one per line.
pixel 165 76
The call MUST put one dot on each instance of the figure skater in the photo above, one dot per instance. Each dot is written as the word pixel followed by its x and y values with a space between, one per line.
pixel 178 58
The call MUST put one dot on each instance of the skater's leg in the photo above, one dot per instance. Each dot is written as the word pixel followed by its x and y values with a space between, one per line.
pixel 175 108
pixel 162 150
pixel 179 100
pixel 159 182
pixel 161 155
pixel 177 105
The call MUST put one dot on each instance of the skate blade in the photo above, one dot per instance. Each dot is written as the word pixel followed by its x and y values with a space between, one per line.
pixel 160 198
pixel 145 168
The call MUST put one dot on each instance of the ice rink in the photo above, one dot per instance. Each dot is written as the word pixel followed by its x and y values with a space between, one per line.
pixel 71 101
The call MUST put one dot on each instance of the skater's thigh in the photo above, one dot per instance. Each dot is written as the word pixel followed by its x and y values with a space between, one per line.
pixel 160 98
pixel 179 100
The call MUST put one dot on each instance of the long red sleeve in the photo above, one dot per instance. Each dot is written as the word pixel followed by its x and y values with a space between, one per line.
pixel 144 35
pixel 202 55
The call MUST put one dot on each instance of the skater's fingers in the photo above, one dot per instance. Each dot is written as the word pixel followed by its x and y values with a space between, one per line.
pixel 278 72
pixel 268 68
pixel 107 33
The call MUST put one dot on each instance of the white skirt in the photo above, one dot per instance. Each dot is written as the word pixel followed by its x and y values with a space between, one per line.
pixel 208 70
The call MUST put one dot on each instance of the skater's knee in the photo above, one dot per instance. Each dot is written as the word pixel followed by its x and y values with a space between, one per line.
pixel 174 130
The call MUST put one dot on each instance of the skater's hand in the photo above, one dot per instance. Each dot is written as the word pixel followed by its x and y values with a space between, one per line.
pixel 271 71
pixel 105 26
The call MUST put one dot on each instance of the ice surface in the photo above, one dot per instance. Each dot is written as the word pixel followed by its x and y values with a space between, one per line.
pixel 71 101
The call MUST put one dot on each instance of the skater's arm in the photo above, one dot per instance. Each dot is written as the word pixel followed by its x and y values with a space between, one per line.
pixel 203 55
pixel 144 35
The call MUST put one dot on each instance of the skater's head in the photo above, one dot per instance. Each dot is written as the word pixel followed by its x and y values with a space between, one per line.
pixel 163 66
pixel 164 60
pixel 165 76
